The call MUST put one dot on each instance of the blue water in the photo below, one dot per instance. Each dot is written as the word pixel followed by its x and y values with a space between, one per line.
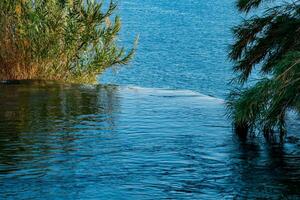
pixel 155 129
pixel 183 44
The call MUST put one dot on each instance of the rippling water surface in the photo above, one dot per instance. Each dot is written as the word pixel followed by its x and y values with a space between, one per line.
pixel 182 44
pixel 107 142
pixel 137 139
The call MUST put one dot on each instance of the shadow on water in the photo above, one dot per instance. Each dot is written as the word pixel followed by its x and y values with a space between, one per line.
pixel 106 142
pixel 37 117
pixel 265 170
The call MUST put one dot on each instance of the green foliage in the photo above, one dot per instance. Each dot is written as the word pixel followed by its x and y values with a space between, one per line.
pixel 247 5
pixel 272 42
pixel 69 40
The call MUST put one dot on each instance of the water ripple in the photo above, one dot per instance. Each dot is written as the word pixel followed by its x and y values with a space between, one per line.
pixel 108 142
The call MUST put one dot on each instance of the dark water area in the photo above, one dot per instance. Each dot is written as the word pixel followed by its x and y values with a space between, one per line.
pixel 155 129
pixel 110 142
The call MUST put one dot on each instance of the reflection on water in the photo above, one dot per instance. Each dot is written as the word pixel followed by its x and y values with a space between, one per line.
pixel 107 142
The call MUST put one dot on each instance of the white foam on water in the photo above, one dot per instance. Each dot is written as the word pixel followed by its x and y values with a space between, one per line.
pixel 170 93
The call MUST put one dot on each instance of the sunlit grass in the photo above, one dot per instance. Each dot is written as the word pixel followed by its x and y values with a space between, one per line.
pixel 67 40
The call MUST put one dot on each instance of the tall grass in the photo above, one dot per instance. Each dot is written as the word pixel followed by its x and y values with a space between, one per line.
pixel 69 40
pixel 270 44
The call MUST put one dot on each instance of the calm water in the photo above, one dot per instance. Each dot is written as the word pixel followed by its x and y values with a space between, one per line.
pixel 158 133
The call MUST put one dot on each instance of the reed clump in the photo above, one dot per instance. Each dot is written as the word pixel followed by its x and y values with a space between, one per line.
pixel 68 40
pixel 268 43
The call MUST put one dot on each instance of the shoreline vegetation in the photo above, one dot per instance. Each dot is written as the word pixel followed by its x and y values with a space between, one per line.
pixel 269 43
pixel 67 40
pixel 73 41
